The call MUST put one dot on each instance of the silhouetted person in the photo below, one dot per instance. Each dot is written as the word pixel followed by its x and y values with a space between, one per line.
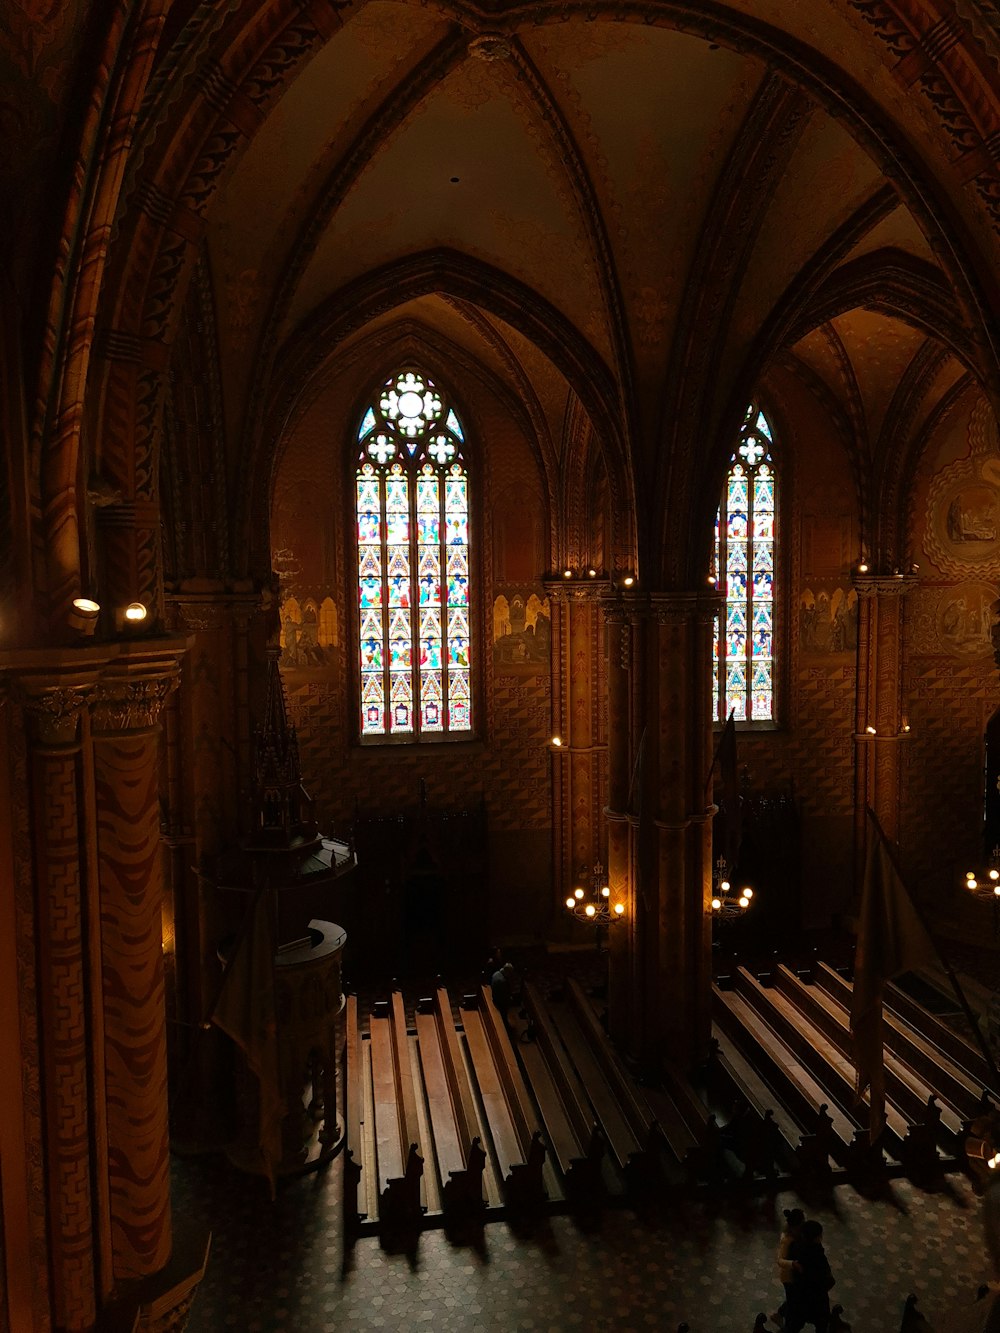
pixel 502 989
pixel 809 1291
pixel 794 1218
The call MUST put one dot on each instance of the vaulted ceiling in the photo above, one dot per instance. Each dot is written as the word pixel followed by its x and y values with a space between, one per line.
pixel 678 204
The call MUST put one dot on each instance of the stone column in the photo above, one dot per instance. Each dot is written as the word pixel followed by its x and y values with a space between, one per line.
pixel 620 817
pixel 125 713
pixel 577 611
pixel 880 726
pixel 670 861
pixel 68 1021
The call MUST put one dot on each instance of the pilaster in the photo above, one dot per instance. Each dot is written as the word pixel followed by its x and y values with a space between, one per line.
pixel 880 723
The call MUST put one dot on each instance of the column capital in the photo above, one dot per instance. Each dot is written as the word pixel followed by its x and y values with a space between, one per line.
pixel 52 706
pixel 666 606
pixel 884 585
pixel 131 692
pixel 577 589
pixel 202 609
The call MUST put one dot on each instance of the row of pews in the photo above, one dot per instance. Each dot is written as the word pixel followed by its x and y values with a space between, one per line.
pixel 447 1117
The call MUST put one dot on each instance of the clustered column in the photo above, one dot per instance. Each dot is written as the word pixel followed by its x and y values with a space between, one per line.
pixel 90 718
pixel 660 662
pixel 880 724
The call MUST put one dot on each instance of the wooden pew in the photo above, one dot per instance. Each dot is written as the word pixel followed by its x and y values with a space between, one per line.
pixel 928 1123
pixel 399 1162
pixel 793 1085
pixel 833 1070
pixel 513 1126
pixel 946 1059
pixel 770 1145
pixel 354 1212
pixel 458 1153
pixel 629 1125
pixel 573 1136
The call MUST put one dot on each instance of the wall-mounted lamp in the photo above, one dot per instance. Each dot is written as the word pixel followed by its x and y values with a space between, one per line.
pixel 83 617
pixel 567 573
pixel 871 731
pixel 712 580
pixel 556 742
pixel 592 573
pixel 131 617
pixel 863 567
pixel 627 581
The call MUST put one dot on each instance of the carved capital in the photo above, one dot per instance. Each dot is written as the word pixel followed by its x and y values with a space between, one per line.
pixel 577 589
pixel 131 704
pixel 53 711
pixel 884 585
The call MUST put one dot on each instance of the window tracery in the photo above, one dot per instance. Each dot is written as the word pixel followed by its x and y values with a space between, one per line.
pixel 412 513
pixel 745 573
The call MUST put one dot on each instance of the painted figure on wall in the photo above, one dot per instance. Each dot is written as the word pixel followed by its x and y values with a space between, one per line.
pixel 309 632
pixel 522 631
pixel 828 621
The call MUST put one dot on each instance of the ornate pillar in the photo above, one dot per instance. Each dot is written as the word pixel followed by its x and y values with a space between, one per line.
pixel 880 722
pixel 577 616
pixel 662 988
pixel 126 708
pixel 619 815
pixel 69 1020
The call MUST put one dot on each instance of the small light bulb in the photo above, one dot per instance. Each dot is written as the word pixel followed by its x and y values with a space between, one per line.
pixel 725 886
pixel 744 901
pixel 87 605
pixel 591 909
pixel 578 894
pixel 863 567
pixel 567 573
pixel 995 874
pixel 716 904
pixel 619 909
pixel 628 580
pixel 996 890
pixel 711 579
pixel 871 731
pixel 605 892
pixel 748 893
pixel 135 611
pixel 557 741
pixel 571 903
pixel 972 883
pixel 592 573
pixel 970 874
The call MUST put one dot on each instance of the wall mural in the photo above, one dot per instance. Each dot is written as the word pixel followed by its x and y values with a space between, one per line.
pixel 955 621
pixel 522 632
pixel 828 620
pixel 309 632
pixel 963 506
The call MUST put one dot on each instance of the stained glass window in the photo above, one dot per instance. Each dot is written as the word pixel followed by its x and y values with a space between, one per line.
pixel 745 575
pixel 412 508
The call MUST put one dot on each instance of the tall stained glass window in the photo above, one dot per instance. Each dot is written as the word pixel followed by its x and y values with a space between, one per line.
pixel 745 571
pixel 412 505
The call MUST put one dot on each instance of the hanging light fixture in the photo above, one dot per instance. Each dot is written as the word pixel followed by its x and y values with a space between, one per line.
pixel 728 902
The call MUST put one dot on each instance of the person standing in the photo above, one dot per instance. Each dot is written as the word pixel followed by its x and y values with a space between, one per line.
pixel 502 990
pixel 794 1218
pixel 809 1291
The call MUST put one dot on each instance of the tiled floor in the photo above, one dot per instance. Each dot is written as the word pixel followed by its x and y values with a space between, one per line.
pixel 283 1266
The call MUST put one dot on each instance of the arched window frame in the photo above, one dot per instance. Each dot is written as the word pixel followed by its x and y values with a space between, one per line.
pixel 423 452
pixel 747 528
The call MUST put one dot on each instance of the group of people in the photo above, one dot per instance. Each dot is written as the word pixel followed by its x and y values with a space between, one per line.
pixel 804 1272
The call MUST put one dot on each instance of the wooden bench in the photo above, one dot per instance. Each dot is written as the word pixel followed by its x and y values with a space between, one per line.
pixel 912 1028
pixel 354 1111
pixel 458 1152
pixel 626 1118
pixel 829 1134
pixel 399 1161
pixel 929 1122
pixel 769 1145
pixel 513 1126
pixel 832 1069
pixel 573 1135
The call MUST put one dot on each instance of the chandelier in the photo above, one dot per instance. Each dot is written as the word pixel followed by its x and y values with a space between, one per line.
pixel 728 903
pixel 986 885
pixel 595 907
